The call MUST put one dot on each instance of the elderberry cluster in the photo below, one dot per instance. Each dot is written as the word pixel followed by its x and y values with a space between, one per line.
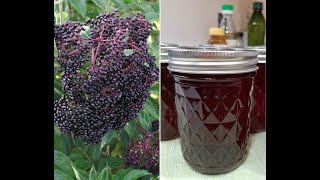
pixel 144 154
pixel 106 74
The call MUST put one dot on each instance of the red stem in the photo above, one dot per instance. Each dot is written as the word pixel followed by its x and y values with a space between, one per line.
pixel 145 132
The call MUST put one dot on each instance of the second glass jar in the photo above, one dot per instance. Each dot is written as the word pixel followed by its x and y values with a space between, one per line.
pixel 168 125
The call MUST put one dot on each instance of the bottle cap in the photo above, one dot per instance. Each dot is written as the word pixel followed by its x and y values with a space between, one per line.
pixel 216 31
pixel 257 6
pixel 227 9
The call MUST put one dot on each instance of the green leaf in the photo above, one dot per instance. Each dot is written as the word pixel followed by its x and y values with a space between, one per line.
pixel 80 6
pixel 105 174
pixel 120 4
pixel 76 155
pixel 114 162
pixel 93 174
pixel 63 162
pixel 136 174
pixel 155 7
pixel 94 152
pixel 120 174
pixel 107 138
pixel 151 110
pixel 56 129
pixel 144 7
pixel 130 128
pixel 83 164
pixel 144 119
pixel 100 3
pixel 58 144
pixel 152 16
pixel 155 89
pixel 93 10
pixel 80 175
pixel 59 175
pixel 58 91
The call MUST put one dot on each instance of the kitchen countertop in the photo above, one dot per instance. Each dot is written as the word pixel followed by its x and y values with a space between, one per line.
pixel 173 166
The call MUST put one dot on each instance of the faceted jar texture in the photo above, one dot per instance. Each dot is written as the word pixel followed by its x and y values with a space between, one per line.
pixel 213 119
pixel 258 112
pixel 169 126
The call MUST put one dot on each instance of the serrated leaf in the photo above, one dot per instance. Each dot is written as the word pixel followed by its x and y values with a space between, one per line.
pixel 152 16
pixel 136 174
pixel 120 4
pixel 80 175
pixel 63 162
pixel 82 164
pixel 105 174
pixel 59 175
pixel 80 6
pixel 93 174
pixel 107 138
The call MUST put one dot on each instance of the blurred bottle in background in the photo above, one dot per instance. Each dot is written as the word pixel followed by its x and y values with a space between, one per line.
pixel 256 26
pixel 217 36
pixel 240 41
pixel 228 25
pixel 219 19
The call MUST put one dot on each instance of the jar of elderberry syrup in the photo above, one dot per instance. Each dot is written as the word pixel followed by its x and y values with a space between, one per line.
pixel 168 126
pixel 213 100
pixel 258 112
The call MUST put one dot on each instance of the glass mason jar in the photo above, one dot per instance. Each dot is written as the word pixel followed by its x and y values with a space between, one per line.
pixel 213 101
pixel 168 125
pixel 258 112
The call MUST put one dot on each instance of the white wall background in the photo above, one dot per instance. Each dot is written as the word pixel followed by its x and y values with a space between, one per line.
pixel 187 21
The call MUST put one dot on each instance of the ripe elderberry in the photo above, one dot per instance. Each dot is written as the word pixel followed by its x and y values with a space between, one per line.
pixel 104 85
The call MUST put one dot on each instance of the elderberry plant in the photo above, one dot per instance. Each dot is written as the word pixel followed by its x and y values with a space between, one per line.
pixel 144 154
pixel 106 75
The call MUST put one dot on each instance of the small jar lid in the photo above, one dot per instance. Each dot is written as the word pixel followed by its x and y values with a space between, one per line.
pixel 164 51
pixel 212 61
pixel 216 32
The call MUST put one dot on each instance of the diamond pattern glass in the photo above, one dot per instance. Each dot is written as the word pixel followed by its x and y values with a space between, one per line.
pixel 258 113
pixel 213 120
pixel 169 126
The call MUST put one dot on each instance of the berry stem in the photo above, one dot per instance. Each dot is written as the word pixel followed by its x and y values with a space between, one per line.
pixel 145 132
